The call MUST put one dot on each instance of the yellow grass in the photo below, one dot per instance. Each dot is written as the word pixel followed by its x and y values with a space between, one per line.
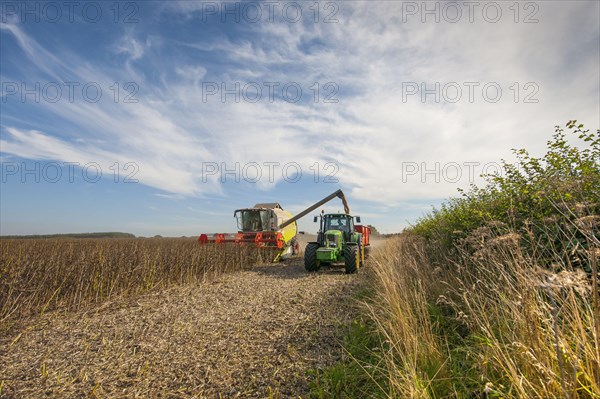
pixel 485 323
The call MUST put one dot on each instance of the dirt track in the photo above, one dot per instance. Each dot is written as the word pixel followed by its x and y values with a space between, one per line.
pixel 246 335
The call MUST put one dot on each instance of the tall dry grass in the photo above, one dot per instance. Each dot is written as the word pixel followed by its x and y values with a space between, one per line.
pixel 411 352
pixel 490 319
pixel 41 275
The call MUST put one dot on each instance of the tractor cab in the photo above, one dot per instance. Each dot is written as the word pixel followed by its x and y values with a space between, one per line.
pixel 335 223
pixel 341 222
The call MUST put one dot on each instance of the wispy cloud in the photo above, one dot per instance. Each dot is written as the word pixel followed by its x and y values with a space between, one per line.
pixel 372 133
pixel 131 47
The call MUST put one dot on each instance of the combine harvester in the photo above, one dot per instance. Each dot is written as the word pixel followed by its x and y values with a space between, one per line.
pixel 269 227
pixel 261 225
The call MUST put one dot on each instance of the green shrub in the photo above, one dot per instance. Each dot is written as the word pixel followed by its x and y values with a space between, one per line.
pixel 534 195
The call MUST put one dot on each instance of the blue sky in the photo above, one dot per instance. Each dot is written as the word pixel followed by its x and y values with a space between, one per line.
pixel 402 102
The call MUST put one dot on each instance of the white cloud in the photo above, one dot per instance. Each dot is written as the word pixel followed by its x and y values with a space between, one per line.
pixel 191 73
pixel 131 47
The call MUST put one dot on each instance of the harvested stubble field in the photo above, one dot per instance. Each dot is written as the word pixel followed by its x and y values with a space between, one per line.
pixel 250 333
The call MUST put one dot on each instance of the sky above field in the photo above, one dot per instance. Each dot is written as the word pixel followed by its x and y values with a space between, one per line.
pixel 163 118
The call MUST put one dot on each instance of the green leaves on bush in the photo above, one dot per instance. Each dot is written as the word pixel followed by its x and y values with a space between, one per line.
pixel 564 183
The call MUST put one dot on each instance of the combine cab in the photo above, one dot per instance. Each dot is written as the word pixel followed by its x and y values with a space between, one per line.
pixel 260 226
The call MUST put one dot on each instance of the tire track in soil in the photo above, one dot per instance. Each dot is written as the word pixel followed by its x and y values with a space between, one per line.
pixel 246 334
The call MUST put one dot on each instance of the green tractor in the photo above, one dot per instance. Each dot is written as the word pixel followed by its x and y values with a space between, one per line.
pixel 338 240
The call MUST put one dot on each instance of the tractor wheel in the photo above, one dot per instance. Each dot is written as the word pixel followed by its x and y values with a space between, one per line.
pixel 310 257
pixel 351 258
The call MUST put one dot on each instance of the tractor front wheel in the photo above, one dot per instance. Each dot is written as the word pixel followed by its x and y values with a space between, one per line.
pixel 310 257
pixel 351 258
